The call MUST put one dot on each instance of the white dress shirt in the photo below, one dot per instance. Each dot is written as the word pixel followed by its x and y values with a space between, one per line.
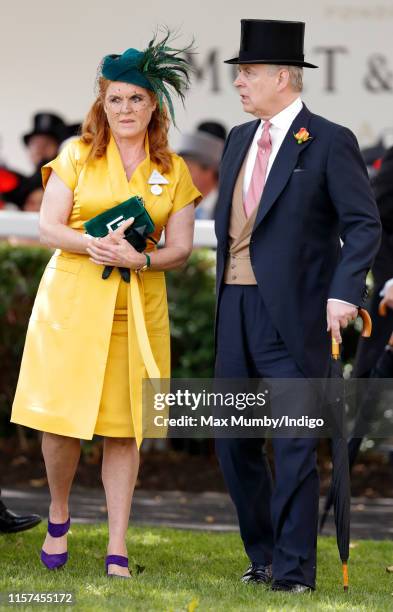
pixel 278 130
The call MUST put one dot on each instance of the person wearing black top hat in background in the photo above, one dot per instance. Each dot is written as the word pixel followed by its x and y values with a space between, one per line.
pixel 291 183
pixel 43 142
pixel 44 139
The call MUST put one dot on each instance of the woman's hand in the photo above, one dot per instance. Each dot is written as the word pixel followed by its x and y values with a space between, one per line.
pixel 114 250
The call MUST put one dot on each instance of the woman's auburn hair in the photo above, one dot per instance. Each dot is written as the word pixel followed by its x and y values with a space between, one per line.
pixel 96 131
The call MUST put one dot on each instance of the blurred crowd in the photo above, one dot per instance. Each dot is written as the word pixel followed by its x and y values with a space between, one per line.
pixel 201 149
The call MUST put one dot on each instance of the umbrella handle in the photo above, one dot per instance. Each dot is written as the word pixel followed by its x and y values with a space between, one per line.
pixel 366 332
pixel 367 323
pixel 382 309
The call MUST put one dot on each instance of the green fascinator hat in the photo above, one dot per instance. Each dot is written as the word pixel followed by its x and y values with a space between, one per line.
pixel 158 68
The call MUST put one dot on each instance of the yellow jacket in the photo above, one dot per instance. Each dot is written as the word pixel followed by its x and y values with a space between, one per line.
pixel 64 359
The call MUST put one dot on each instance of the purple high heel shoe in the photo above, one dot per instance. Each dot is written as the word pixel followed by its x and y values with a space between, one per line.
pixel 117 560
pixel 56 530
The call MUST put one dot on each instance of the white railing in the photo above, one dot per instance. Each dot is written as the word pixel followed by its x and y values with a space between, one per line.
pixel 25 225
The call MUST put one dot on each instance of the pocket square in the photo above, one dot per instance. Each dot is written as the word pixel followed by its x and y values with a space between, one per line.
pixel 298 170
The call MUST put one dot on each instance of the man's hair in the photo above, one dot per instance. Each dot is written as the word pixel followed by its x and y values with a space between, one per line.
pixel 295 75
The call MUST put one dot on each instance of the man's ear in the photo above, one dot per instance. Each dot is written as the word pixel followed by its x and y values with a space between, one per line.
pixel 282 79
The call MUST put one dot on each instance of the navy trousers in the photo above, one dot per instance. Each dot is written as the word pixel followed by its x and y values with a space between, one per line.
pixel 278 523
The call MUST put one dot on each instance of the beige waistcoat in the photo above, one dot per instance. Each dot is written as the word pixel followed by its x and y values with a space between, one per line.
pixel 238 269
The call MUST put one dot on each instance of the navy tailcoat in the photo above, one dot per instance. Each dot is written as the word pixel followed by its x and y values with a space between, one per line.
pixel 316 193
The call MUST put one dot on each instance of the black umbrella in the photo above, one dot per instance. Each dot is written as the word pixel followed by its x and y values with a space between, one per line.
pixel 382 369
pixel 341 485
pixel 367 412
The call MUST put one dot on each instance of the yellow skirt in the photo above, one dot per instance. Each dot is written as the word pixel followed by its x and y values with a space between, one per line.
pixel 114 416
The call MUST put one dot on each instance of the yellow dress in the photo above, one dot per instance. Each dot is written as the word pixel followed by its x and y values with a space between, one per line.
pixel 91 342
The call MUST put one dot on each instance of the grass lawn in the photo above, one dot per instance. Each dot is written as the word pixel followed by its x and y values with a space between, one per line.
pixel 187 571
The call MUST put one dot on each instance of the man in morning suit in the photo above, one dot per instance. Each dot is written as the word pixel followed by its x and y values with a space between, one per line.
pixel 283 282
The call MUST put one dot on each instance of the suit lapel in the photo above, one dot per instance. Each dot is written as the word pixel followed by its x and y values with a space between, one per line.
pixel 237 152
pixel 283 165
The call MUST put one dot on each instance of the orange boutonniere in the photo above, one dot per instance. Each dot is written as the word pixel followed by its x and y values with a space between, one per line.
pixel 302 136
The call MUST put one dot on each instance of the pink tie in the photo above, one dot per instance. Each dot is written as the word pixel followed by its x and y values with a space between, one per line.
pixel 258 178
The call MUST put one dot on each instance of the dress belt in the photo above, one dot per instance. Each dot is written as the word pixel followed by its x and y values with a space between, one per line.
pixel 140 326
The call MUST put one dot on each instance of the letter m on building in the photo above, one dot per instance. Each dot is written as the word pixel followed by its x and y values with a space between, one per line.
pixel 206 68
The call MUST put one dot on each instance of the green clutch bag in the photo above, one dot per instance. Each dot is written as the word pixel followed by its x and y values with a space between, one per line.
pixel 111 219
pixel 137 234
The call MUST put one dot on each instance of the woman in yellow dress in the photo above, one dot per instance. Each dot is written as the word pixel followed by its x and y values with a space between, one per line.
pixel 91 342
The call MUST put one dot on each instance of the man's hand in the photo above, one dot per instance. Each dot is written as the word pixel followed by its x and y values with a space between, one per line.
pixel 338 316
pixel 388 297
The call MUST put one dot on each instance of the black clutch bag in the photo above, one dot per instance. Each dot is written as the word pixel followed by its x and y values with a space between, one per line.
pixel 137 234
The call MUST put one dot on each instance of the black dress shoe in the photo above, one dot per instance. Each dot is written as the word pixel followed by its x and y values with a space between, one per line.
pixel 290 587
pixel 257 573
pixel 12 523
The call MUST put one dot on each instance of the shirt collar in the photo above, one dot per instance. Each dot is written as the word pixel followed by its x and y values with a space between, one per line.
pixel 284 119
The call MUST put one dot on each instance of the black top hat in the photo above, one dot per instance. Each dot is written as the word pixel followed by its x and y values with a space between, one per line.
pixel 266 41
pixel 47 124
